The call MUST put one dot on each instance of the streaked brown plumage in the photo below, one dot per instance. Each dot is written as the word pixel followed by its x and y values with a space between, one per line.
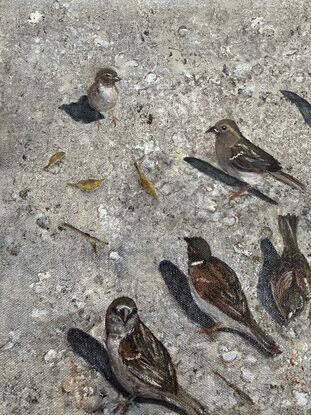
pixel 218 292
pixel 139 360
pixel 240 158
pixel 291 276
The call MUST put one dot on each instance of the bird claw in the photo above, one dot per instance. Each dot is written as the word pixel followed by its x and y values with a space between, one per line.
pixel 211 330
pixel 233 194
pixel 122 407
pixel 114 120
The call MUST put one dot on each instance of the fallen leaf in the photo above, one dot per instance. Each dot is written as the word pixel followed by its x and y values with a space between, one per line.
pixel 146 184
pixel 56 158
pixel 88 185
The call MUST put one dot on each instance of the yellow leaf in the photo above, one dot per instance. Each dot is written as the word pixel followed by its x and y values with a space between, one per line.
pixel 146 184
pixel 88 185
pixel 56 158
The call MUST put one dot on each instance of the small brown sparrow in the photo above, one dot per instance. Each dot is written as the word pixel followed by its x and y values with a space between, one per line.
pixel 240 158
pixel 218 292
pixel 140 362
pixel 291 275
pixel 103 93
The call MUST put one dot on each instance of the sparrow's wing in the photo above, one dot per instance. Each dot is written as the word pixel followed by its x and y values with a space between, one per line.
pixel 148 360
pixel 293 271
pixel 247 157
pixel 91 93
pixel 217 284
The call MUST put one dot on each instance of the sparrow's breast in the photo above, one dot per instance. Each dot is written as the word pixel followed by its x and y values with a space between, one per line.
pixel 107 98
pixel 223 154
pixel 118 366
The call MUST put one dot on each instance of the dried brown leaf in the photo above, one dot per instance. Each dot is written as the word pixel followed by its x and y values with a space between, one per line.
pixel 56 158
pixel 88 185
pixel 146 184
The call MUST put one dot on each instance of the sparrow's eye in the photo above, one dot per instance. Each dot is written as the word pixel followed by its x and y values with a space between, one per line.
pixel 224 127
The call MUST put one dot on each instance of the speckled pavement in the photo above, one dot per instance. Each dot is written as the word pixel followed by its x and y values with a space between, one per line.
pixel 184 65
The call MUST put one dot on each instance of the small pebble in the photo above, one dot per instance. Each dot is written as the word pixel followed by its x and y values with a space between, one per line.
pixel 36 313
pixel 257 69
pixel 35 17
pixel 301 398
pixel 242 69
pixel 247 375
pixel 246 91
pixel 230 356
pixel 50 355
pixel 151 77
pixel 7 346
pixel 299 78
pixel 114 256
pixel 229 220
pixel 183 31
pixel 250 359
pixel 43 221
pixel 101 42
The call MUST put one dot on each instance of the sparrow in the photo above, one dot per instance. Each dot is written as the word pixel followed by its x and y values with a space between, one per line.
pixel 217 291
pixel 240 158
pixel 291 275
pixel 103 93
pixel 140 362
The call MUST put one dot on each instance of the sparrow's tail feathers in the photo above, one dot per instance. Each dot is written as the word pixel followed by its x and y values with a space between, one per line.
pixel 265 341
pixel 288 179
pixel 288 227
pixel 186 403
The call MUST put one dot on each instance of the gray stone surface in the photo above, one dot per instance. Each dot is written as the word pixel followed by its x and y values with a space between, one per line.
pixel 188 64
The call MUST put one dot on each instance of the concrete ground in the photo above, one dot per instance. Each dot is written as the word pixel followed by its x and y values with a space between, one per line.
pixel 184 65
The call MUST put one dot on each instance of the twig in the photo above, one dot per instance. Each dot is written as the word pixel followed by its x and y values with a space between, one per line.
pixel 92 239
pixel 236 389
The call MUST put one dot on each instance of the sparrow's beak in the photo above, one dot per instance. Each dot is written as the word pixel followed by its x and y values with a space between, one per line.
pixel 212 130
pixel 124 314
pixel 117 79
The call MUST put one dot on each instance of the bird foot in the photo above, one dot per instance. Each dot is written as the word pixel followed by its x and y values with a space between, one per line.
pixel 123 406
pixel 233 194
pixel 211 330
pixel 114 120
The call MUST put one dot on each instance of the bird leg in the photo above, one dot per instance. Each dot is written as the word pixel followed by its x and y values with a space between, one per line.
pixel 238 193
pixel 123 406
pixel 97 120
pixel 114 119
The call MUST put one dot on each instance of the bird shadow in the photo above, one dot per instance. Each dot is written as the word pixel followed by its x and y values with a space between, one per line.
pixel 81 111
pixel 264 292
pixel 302 104
pixel 95 354
pixel 178 286
pixel 219 175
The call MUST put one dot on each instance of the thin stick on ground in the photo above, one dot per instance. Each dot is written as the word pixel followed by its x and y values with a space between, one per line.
pixel 95 242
